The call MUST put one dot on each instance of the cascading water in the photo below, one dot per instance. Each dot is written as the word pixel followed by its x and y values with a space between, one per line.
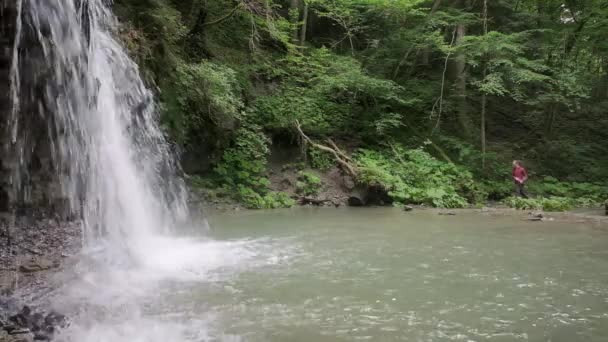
pixel 115 168
pixel 72 81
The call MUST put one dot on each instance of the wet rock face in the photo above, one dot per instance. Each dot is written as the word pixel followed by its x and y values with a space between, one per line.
pixel 30 155
pixel 7 34
pixel 28 325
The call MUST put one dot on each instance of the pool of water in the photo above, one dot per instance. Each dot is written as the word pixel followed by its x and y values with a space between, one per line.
pixel 366 274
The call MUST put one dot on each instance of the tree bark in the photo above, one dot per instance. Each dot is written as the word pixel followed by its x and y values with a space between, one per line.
pixel 484 96
pixel 550 120
pixel 460 74
pixel 304 26
pixel 483 128
pixel 426 53
pixel 294 10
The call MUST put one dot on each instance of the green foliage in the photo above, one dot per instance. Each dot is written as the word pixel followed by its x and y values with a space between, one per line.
pixel 496 169
pixel 320 160
pixel 204 96
pixel 550 186
pixel 415 177
pixel 325 92
pixel 244 164
pixel 231 76
pixel 543 203
pixel 242 171
pixel 271 200
pixel 281 110
pixel 497 190
pixel 308 184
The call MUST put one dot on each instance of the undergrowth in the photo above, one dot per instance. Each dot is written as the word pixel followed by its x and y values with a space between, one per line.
pixel 416 177
pixel 308 184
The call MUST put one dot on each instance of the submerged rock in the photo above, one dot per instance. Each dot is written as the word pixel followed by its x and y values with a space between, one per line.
pixel 536 216
pixel 31 326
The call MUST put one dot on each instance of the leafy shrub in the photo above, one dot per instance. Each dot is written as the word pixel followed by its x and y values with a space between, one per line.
pixel 547 204
pixel 243 169
pixel 496 169
pixel 498 190
pixel 245 162
pixel 278 200
pixel 203 100
pixel 550 186
pixel 308 184
pixel 414 176
pixel 271 200
pixel 316 113
pixel 556 204
pixel 319 159
pixel 520 203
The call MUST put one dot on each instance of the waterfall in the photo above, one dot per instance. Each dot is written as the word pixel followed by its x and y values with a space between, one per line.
pixel 72 79
pixel 82 113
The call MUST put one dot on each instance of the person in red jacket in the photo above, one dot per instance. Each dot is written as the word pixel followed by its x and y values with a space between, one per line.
pixel 520 177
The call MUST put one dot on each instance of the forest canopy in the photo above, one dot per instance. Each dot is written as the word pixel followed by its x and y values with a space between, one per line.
pixel 439 95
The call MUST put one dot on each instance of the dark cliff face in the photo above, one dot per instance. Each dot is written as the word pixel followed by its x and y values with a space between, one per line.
pixel 29 181
pixel 7 37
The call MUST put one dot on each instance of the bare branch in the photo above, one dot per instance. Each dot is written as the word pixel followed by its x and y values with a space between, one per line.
pixel 340 156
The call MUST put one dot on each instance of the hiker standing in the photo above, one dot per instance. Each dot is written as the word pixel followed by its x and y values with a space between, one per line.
pixel 520 177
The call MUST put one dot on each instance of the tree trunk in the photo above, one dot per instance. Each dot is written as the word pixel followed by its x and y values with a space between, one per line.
pixel 426 53
pixel 304 25
pixel 483 130
pixel 550 120
pixel 294 16
pixel 460 74
pixel 484 96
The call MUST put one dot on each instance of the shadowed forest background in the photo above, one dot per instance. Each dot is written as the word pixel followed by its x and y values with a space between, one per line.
pixel 408 101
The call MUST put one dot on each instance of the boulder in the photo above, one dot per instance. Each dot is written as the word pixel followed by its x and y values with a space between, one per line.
pixel 349 183
pixel 356 201
pixel 32 265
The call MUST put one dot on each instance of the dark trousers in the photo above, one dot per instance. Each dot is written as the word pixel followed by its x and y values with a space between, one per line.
pixel 520 190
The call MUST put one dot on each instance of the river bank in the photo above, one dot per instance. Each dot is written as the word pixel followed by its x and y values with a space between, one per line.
pixel 593 216
pixel 31 253
pixel 33 248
